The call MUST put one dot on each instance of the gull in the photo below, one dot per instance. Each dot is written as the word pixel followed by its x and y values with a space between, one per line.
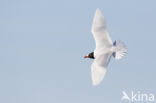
pixel 104 49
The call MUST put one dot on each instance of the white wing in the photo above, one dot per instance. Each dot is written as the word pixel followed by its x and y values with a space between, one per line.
pixel 98 68
pixel 100 33
pixel 103 50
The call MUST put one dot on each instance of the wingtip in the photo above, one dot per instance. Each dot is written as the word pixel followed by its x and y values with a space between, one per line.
pixel 94 84
pixel 98 9
pixel 99 12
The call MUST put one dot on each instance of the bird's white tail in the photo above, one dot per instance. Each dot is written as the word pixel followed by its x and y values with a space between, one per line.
pixel 120 49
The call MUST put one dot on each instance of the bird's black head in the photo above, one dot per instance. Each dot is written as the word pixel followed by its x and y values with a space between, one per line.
pixel 90 55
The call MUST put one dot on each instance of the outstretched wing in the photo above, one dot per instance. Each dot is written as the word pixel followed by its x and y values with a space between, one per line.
pixel 103 50
pixel 99 31
pixel 98 68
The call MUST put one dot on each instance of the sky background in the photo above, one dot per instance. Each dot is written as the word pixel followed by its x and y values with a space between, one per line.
pixel 42 44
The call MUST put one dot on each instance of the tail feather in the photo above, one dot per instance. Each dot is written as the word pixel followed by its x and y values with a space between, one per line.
pixel 120 49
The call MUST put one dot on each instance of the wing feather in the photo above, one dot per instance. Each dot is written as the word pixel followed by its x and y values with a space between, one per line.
pixel 100 32
pixel 103 50
pixel 98 68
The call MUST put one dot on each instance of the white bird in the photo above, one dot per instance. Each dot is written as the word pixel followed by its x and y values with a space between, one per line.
pixel 105 48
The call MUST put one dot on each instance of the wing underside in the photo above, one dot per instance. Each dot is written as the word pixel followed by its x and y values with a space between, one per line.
pixel 100 33
pixel 103 50
pixel 98 68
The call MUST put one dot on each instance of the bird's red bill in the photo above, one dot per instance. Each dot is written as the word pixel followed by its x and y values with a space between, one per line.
pixel 85 56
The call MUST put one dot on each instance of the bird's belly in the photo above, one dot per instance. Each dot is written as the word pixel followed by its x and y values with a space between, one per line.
pixel 101 51
pixel 103 59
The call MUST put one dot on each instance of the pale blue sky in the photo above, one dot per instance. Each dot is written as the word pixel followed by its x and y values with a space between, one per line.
pixel 42 44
